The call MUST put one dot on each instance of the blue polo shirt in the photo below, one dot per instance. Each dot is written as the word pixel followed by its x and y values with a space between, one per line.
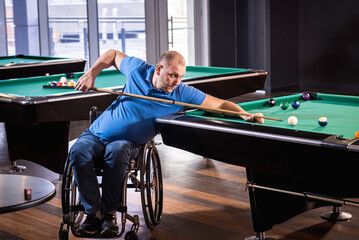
pixel 134 119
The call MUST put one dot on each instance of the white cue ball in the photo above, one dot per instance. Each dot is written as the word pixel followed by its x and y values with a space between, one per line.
pixel 63 79
pixel 292 120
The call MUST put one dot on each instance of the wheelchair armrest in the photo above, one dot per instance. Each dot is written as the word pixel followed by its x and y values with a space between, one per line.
pixel 94 114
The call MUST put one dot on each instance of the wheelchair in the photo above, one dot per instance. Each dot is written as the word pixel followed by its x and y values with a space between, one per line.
pixel 144 175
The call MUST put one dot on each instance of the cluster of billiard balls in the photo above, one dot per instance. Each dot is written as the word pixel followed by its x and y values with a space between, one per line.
pixel 13 62
pixel 63 82
pixel 292 120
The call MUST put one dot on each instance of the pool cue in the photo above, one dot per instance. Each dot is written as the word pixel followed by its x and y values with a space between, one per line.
pixel 4 95
pixel 206 109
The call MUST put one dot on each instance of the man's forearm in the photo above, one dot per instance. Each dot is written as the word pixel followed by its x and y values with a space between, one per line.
pixel 230 106
pixel 104 61
pixel 109 58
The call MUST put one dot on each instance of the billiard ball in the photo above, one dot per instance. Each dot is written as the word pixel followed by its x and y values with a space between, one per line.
pixel 295 104
pixel 53 84
pixel 356 135
pixel 59 84
pixel 284 105
pixel 305 96
pixel 63 79
pixel 47 74
pixel 271 102
pixel 292 120
pixel 323 121
pixel 71 83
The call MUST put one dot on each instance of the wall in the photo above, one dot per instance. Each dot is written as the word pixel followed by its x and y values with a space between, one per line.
pixel 303 44
pixel 222 33
pixel 329 45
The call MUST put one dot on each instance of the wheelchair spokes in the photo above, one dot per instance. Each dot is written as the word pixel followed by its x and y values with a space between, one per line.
pixel 149 184
pixel 151 188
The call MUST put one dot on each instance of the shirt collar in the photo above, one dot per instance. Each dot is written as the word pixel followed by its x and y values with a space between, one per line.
pixel 153 91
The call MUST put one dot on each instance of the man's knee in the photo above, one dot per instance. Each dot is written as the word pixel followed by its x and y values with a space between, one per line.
pixel 121 150
pixel 81 153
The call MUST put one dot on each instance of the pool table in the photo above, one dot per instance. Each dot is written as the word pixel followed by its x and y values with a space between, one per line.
pixel 37 119
pixel 20 66
pixel 279 158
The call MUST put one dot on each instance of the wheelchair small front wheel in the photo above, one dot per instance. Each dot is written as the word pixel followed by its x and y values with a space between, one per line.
pixel 64 234
pixel 131 235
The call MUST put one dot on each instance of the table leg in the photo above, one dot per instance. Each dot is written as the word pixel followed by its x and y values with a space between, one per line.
pixel 14 168
pixel 336 215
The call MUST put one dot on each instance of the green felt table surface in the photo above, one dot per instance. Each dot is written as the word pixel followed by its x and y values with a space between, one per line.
pixel 195 71
pixel 32 87
pixel 4 60
pixel 341 111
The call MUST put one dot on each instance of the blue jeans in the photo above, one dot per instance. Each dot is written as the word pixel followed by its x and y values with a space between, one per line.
pixel 90 151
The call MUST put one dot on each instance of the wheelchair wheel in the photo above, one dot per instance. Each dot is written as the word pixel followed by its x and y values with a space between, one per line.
pixel 71 204
pixel 63 234
pixel 151 186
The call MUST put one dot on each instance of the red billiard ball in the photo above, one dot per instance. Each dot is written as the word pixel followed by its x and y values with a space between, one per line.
pixel 59 84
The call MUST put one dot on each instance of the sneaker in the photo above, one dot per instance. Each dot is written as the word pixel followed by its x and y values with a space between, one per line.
pixel 91 226
pixel 109 225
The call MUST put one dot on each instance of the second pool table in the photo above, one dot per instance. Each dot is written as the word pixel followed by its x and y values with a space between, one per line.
pixel 20 66
pixel 37 119
pixel 306 158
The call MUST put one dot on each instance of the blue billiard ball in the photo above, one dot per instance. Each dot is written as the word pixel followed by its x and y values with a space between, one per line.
pixel 295 104
pixel 323 121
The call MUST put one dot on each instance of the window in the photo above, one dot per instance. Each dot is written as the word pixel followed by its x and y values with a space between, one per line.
pixel 68 28
pixel 181 28
pixel 122 26
pixel 22 28
pixel 61 27
pixel 10 31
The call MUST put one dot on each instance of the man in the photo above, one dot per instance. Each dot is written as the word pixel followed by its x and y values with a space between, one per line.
pixel 115 137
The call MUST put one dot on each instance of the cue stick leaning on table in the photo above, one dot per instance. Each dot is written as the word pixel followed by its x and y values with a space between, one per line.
pixel 206 109
pixel 4 95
